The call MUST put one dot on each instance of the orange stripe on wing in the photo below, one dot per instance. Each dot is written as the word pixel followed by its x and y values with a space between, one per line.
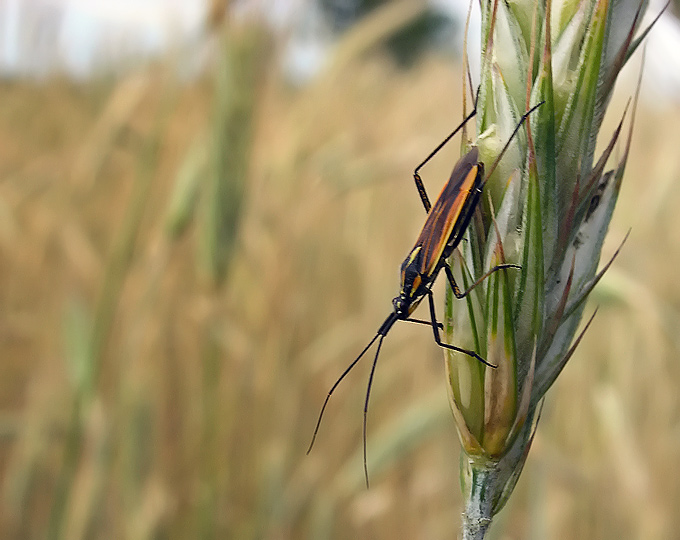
pixel 442 219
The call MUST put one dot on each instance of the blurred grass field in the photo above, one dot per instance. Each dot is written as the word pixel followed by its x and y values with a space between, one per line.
pixel 186 267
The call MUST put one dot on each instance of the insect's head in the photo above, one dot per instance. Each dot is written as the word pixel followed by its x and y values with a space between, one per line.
pixel 401 305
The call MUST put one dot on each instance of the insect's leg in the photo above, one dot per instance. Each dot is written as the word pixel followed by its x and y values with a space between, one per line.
pixel 416 176
pixel 437 338
pixel 421 190
pixel 428 323
pixel 456 290
pixel 452 281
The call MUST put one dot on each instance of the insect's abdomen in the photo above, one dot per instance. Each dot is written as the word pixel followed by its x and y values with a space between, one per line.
pixel 451 212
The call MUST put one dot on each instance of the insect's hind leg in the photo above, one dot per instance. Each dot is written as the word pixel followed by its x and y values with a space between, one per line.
pixel 438 340
pixel 456 290
pixel 416 176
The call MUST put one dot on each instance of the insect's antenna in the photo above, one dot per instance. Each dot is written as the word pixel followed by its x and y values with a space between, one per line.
pixel 507 144
pixel 368 395
pixel 330 392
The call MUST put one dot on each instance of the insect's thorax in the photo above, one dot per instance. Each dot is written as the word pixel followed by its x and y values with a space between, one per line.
pixel 413 284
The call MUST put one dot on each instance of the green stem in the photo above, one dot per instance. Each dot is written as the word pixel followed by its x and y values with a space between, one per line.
pixel 479 501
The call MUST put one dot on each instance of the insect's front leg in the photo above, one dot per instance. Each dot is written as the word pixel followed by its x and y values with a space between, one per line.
pixel 428 323
pixel 438 340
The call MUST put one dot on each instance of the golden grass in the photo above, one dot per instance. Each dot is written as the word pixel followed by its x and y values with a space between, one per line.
pixel 186 404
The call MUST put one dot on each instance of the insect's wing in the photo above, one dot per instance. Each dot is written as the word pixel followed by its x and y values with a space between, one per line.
pixel 451 211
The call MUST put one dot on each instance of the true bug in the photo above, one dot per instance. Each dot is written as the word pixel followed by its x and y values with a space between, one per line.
pixel 441 234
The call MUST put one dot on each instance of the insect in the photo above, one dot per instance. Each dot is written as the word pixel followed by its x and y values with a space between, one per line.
pixel 441 234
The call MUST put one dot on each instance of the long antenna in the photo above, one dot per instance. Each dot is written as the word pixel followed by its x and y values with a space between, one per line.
pixel 368 395
pixel 330 392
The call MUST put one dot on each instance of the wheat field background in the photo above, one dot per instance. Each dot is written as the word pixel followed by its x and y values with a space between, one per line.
pixel 186 267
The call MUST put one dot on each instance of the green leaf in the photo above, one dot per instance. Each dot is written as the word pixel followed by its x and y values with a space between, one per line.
pixel 511 52
pixel 530 307
pixel 576 136
pixel 543 129
pixel 501 385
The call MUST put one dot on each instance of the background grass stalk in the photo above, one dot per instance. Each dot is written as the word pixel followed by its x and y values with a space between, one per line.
pixel 89 365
